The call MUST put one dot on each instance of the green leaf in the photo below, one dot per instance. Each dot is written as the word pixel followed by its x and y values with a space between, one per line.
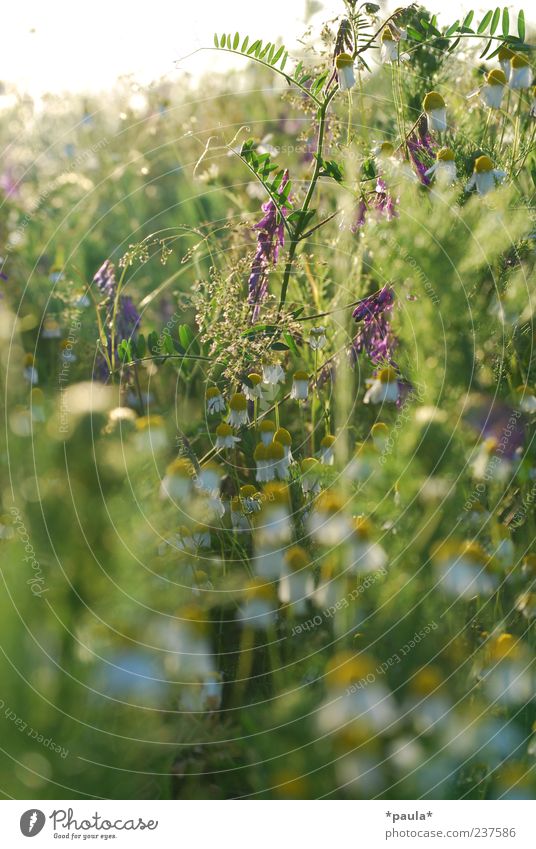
pixel 141 345
pixel 415 34
pixel 236 41
pixel 254 47
pixel 452 29
pixel 152 342
pixel 468 18
pixel 222 41
pixel 216 39
pixel 123 349
pixel 289 339
pixel 521 25
pixel 495 20
pixel 186 336
pixel 454 45
pixel 284 60
pixel 505 22
pixel 168 345
pixel 489 42
pixel 279 346
pixel 483 25
pixel 278 55
pixel 245 44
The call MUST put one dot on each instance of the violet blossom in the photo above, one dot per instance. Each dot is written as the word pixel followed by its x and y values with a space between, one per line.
pixel 270 240
pixel 127 317
pixel 375 336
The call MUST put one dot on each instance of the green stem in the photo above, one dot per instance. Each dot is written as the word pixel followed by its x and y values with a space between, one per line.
pixel 308 198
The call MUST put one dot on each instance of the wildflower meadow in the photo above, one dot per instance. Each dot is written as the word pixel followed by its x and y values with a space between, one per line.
pixel 268 458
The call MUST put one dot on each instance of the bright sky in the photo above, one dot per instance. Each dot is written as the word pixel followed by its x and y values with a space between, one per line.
pixel 53 45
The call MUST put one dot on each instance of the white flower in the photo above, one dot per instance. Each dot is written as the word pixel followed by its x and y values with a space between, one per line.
pixel 300 386
pixel 259 609
pixel 209 478
pixel 311 471
pixel 485 176
pixel 266 430
pixel 364 555
pixel 238 410
pixel 326 450
pixel 436 112
pixel 345 71
pixel 505 56
pixel 491 93
pixel 51 329
pixel 253 389
pixel 463 570
pixel 382 388
pixel 317 339
pixel 521 72
pixel 444 168
pixel 225 437
pixel 215 401
pixel 273 374
pixel 177 482
pixel 389 47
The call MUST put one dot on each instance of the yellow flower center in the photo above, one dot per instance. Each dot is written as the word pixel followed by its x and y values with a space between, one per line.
pixel 446 154
pixel 496 77
pixel 483 164
pixel 238 403
pixel 344 60
pixel 433 100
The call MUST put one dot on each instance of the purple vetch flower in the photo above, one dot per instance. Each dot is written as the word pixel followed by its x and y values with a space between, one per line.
pixel 270 239
pixel 380 201
pixel 127 317
pixel 375 336
pixel 421 149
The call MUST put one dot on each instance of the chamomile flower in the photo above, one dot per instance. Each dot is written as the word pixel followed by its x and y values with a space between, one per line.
pixel 258 610
pixel 357 696
pixel 463 570
pixel 238 410
pixel 328 522
pixel 215 401
pixel 273 374
pixel 266 431
pixel 51 329
pixel 383 388
pixel 364 463
pixel 250 498
pixel 277 465
pixel 294 581
pixel 317 338
pixel 379 433
pixel 30 371
pixel 177 482
pixel 485 176
pixel 327 445
pixel 428 702
pixel 526 398
pixel 283 436
pixel 505 57
pixel 300 386
pixel 253 389
pixel 150 433
pixel 261 463
pixel 273 525
pixel 389 46
pixel 491 93
pixel 521 73
pixel 225 437
pixel 444 168
pixel 208 479
pixel 345 71
pixel 311 472
pixel 435 110
pixel 490 463
pixel 364 555
pixel 67 353
pixel 507 676
pixel 383 150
